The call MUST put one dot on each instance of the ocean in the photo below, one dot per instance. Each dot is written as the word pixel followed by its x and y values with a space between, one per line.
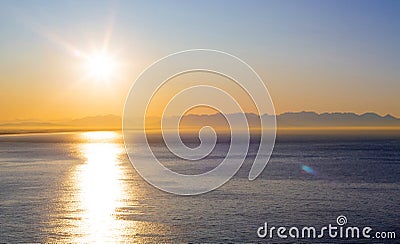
pixel 81 187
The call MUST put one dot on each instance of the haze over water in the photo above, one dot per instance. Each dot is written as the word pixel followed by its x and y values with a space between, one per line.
pixel 81 187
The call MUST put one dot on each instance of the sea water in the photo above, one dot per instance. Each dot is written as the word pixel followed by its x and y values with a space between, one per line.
pixel 81 187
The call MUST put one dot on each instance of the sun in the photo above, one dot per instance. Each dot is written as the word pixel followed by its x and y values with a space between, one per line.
pixel 101 66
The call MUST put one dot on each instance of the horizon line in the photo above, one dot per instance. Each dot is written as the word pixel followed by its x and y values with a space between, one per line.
pixel 32 120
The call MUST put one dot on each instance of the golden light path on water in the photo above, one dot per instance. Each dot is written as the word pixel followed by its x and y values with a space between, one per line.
pixel 103 200
pixel 99 185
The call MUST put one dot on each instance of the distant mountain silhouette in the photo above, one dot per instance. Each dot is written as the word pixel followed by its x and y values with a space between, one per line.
pixel 312 119
pixel 102 122
pixel 290 120
pixel 285 120
pixel 196 121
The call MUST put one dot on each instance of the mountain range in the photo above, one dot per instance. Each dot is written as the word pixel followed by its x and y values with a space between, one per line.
pixel 285 120
pixel 296 120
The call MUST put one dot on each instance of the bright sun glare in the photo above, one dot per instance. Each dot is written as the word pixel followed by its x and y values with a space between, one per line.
pixel 101 66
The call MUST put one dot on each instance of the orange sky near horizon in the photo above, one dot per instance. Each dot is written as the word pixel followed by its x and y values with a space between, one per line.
pixel 60 92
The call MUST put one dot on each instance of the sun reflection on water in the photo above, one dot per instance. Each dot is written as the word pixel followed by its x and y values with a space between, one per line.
pixel 100 188
pixel 102 200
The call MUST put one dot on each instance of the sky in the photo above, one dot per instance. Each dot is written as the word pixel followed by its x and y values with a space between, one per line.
pixel 323 56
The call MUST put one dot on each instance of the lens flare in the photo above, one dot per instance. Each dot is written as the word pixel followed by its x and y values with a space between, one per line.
pixel 308 170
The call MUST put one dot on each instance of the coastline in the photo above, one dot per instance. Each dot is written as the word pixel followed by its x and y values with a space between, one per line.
pixel 350 130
